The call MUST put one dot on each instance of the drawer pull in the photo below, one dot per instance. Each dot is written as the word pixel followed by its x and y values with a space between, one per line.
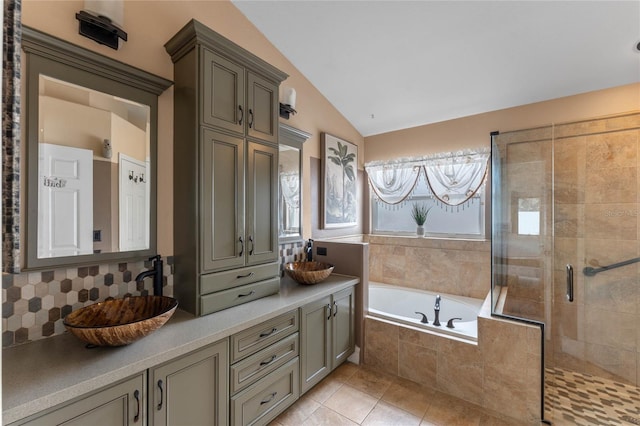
pixel 248 294
pixel 250 274
pixel 241 246
pixel 335 305
pixel 136 395
pixel 273 330
pixel 161 394
pixel 273 358
pixel 329 308
pixel 241 115
pixel 268 400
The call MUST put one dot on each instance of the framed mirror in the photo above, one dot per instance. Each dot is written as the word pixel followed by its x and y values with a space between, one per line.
pixel 91 144
pixel 290 183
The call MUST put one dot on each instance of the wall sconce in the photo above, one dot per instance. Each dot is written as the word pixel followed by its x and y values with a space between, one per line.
pixel 288 104
pixel 98 22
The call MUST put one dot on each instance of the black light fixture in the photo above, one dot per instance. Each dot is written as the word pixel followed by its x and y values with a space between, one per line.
pixel 100 28
pixel 288 104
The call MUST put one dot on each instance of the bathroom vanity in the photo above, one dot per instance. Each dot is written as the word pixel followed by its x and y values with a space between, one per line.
pixel 237 366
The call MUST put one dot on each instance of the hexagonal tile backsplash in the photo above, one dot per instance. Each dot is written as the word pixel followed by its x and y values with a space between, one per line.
pixel 34 303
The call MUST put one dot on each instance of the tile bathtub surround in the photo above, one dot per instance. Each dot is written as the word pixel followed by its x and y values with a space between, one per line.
pixel 359 395
pixel 460 267
pixel 502 373
pixel 35 303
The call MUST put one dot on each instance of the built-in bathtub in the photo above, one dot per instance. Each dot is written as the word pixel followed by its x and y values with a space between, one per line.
pixel 400 304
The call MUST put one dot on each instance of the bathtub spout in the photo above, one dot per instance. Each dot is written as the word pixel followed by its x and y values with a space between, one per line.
pixel 424 319
pixel 436 311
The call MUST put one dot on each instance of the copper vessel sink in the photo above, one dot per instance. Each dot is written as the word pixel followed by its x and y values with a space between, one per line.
pixel 118 322
pixel 308 272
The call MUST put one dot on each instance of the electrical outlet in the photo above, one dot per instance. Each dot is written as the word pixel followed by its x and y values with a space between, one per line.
pixel 321 251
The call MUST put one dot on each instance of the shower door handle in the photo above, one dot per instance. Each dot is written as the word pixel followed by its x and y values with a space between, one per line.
pixel 569 283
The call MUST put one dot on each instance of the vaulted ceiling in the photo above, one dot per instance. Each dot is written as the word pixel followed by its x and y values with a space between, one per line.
pixel 388 65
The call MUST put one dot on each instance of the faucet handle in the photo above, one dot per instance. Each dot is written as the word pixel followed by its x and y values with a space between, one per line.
pixel 450 322
pixel 424 319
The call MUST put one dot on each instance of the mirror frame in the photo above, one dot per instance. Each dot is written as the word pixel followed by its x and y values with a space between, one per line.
pixel 295 138
pixel 60 59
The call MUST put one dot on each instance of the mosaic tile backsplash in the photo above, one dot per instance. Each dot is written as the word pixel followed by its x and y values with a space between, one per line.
pixel 34 303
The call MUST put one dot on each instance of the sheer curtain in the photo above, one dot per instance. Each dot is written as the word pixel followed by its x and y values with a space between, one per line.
pixel 453 177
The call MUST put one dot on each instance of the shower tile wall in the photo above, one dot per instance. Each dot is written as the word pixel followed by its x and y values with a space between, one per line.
pixel 458 267
pixel 34 303
pixel 597 224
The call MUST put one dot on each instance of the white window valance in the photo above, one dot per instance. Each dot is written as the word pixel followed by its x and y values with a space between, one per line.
pixel 453 177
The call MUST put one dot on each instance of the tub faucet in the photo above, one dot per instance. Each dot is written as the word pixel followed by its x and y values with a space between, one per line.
pixel 156 272
pixel 436 311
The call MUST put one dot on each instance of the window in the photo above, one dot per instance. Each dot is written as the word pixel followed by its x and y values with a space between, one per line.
pixel 529 216
pixel 464 221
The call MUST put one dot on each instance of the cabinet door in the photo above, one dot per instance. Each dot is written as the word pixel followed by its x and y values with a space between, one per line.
pixel 262 101
pixel 121 404
pixel 343 326
pixel 223 93
pixel 262 207
pixel 222 209
pixel 192 390
pixel 315 342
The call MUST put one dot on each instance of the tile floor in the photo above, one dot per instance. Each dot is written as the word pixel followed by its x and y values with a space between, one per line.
pixel 573 398
pixel 358 395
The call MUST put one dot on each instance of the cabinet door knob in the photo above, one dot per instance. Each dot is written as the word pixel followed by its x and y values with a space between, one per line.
pixel 241 115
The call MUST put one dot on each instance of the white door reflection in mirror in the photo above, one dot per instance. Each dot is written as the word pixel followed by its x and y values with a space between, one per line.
pixel 82 118
pixel 134 204
pixel 65 210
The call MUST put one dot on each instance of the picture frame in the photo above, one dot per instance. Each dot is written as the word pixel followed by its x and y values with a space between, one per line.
pixel 339 182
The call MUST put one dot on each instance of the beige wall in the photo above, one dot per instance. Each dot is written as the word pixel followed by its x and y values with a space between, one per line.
pixel 149 25
pixel 474 131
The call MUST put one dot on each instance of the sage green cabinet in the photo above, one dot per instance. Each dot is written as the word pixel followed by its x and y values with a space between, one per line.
pixel 240 227
pixel 225 170
pixel 121 404
pixel 191 390
pixel 224 104
pixel 326 336
pixel 265 370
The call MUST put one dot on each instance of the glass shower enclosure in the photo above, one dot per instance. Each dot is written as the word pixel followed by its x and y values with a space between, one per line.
pixel 565 253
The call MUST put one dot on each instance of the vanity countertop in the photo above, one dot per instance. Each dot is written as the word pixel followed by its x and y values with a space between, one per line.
pixel 47 372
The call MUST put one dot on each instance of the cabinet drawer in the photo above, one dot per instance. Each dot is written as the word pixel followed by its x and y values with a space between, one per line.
pixel 262 402
pixel 253 339
pixel 258 365
pixel 228 279
pixel 225 299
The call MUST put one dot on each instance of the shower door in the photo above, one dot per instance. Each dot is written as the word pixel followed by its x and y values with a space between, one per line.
pixel 565 198
pixel 593 367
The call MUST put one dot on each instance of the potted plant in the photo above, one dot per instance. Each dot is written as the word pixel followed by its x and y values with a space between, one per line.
pixel 419 213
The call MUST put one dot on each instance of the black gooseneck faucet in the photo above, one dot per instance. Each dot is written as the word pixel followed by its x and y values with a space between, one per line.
pixel 156 272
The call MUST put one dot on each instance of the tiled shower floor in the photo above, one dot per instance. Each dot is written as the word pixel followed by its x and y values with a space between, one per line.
pixel 579 399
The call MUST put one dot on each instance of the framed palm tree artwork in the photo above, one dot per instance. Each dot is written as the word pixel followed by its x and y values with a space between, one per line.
pixel 340 173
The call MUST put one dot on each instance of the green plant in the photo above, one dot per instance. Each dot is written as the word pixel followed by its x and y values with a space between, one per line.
pixel 419 213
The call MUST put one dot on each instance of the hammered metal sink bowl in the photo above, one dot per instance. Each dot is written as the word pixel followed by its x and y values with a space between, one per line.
pixel 118 322
pixel 308 272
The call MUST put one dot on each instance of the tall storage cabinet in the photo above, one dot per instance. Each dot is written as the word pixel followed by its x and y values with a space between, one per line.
pixel 225 171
